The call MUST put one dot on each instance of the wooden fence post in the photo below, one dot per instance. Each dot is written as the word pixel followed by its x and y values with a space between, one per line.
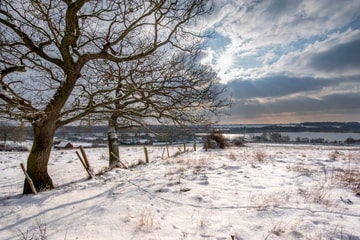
pixel 146 155
pixel 33 189
pixel 84 164
pixel 162 155
pixel 87 163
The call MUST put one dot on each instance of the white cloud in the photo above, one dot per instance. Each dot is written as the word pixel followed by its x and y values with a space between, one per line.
pixel 288 40
pixel 274 25
pixel 301 62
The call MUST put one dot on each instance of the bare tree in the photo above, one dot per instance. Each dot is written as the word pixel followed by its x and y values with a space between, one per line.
pixel 175 90
pixel 50 51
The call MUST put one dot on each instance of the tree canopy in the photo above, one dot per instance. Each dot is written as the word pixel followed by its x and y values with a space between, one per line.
pixel 64 60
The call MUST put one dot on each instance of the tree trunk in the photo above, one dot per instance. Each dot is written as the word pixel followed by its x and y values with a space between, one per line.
pixel 38 159
pixel 113 144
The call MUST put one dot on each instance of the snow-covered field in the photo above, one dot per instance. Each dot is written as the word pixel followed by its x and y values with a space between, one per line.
pixel 254 192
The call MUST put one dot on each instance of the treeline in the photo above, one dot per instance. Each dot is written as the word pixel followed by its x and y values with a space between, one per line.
pixel 353 127
pixel 278 138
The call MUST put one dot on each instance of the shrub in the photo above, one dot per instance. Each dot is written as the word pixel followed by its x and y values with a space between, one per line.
pixel 239 141
pixel 350 140
pixel 216 140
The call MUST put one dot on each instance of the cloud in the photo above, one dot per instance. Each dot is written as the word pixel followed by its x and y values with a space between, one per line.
pixel 281 21
pixel 291 58
pixel 299 108
pixel 336 56
pixel 274 86
pixel 293 98
pixel 272 29
pixel 341 57
pixel 284 86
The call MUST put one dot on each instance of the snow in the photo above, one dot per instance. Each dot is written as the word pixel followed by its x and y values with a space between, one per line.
pixel 261 191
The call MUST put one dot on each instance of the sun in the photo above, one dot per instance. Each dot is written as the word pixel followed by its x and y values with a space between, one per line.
pixel 224 62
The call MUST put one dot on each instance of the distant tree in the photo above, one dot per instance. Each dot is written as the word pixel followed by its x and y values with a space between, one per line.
pixel 350 140
pixel 19 133
pixel 275 137
pixel 50 53
pixel 4 131
pixel 264 137
pixel 285 138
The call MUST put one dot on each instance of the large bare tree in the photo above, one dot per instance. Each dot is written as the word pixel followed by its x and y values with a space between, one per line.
pixel 51 52
pixel 174 89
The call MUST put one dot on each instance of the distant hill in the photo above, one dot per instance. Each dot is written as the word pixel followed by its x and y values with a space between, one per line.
pixel 294 127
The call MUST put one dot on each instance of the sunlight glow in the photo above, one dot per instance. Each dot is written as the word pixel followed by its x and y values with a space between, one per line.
pixel 224 62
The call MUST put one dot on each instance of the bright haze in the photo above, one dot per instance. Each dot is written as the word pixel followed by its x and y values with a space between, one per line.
pixel 287 61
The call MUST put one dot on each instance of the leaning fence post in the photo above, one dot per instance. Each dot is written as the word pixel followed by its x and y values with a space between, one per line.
pixel 123 164
pixel 83 163
pixel 162 155
pixel 33 189
pixel 87 163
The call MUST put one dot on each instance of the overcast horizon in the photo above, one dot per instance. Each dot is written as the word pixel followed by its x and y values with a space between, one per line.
pixel 287 61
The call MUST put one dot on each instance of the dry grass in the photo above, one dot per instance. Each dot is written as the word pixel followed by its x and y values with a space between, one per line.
pixel 278 229
pixel 145 221
pixel 232 156
pixel 263 201
pixel 260 155
pixel 350 178
pixel 204 222
pixel 319 193
pixel 197 165
pixel 348 175
pixel 37 232
pixel 334 155
pixel 301 168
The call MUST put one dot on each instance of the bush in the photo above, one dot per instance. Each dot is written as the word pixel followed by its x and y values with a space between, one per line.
pixel 216 140
pixel 350 140
pixel 239 141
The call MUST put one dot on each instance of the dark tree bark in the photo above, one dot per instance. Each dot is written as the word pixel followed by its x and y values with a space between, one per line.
pixel 38 159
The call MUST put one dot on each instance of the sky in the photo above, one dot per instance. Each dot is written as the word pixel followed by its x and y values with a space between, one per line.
pixel 287 61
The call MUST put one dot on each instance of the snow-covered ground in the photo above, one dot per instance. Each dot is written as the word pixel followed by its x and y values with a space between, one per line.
pixel 255 192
